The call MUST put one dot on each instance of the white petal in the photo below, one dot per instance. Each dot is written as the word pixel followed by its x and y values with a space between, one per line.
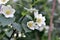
pixel 40 15
pixel 9 16
pixel 4 2
pixel 31 27
pixel 41 29
pixel 13 11
pixel 43 18
pixel 36 14
pixel 9 6
pixel 36 27
pixel 43 23
pixel 39 24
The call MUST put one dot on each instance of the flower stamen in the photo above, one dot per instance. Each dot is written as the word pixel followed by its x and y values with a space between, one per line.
pixel 3 0
pixel 30 24
pixel 7 12
pixel 39 20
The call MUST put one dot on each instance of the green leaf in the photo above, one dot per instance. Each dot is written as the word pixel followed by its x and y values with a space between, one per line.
pixel 17 26
pixel 26 19
pixel 9 33
pixel 5 21
pixel 24 23
pixel 24 13
pixel 25 28
pixel 5 38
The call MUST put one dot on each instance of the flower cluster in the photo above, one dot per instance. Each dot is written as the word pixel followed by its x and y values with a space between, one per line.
pixel 39 24
pixel 7 11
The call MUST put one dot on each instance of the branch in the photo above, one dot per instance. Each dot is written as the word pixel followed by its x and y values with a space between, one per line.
pixel 36 35
pixel 51 20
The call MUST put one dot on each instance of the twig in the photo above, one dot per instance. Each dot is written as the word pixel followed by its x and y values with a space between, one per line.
pixel 51 20
pixel 36 35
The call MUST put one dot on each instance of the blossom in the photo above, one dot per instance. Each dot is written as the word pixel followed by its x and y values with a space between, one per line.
pixel 40 20
pixel 3 1
pixel 31 9
pixel 8 11
pixel 31 25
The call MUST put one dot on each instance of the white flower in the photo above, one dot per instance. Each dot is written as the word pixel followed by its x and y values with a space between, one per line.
pixel 31 25
pixel 8 11
pixel 40 20
pixel 3 1
pixel 31 9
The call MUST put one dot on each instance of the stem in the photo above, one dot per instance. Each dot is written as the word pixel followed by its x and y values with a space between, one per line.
pixel 51 20
pixel 36 35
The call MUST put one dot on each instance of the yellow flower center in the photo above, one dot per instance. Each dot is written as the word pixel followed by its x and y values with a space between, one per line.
pixel 30 24
pixel 39 20
pixel 3 0
pixel 7 12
